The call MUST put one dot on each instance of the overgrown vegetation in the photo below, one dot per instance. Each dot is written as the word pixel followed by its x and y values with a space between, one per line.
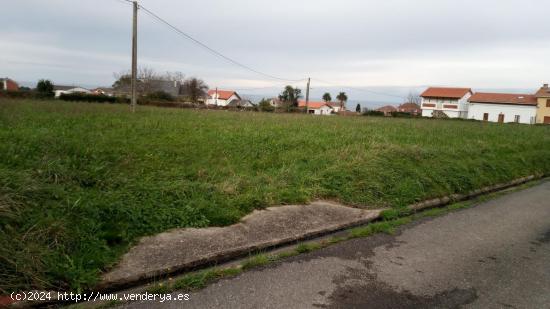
pixel 80 182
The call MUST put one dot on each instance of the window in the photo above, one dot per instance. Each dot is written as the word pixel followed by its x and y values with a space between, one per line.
pixel 516 118
pixel 485 116
pixel 548 103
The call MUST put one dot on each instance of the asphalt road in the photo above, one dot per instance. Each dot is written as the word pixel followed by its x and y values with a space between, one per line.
pixel 494 255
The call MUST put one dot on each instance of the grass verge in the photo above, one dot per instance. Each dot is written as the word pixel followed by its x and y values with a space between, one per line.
pixel 80 183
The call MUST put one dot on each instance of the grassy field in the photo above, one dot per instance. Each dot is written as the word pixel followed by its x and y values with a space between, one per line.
pixel 80 182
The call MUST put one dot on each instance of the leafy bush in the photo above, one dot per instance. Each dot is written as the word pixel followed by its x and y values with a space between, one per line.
pixel 373 113
pixel 401 115
pixel 159 96
pixel 17 94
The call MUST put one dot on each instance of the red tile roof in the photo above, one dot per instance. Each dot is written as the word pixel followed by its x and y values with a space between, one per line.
pixel 409 107
pixel 503 98
pixel 315 105
pixel 387 109
pixel 8 84
pixel 441 92
pixel 223 94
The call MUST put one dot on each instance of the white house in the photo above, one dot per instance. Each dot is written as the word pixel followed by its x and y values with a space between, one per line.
pixel 321 108
pixel 503 107
pixel 59 90
pixel 221 97
pixel 452 102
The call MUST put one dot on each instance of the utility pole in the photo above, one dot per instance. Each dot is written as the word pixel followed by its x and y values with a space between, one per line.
pixel 134 58
pixel 307 95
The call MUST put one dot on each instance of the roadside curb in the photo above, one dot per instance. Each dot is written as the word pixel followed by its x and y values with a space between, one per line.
pixel 244 251
pixel 438 202
pixel 235 253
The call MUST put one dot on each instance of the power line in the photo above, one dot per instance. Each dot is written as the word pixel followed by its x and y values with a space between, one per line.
pixel 272 86
pixel 213 51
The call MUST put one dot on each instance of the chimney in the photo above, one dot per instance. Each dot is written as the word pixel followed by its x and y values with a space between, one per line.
pixel 545 86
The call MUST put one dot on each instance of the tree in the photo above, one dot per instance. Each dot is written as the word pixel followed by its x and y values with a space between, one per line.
pixel 326 97
pixel 413 98
pixel 343 98
pixel 45 87
pixel 123 82
pixel 290 96
pixel 148 81
pixel 358 108
pixel 194 89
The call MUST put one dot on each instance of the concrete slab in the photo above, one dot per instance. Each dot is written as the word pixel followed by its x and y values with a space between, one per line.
pixel 181 249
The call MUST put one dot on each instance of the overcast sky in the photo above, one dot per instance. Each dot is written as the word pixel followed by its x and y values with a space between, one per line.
pixel 390 45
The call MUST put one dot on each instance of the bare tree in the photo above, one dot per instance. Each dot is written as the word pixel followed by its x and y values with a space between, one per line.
pixel 413 97
pixel 148 81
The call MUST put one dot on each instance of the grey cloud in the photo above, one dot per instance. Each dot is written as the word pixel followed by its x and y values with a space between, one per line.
pixel 488 43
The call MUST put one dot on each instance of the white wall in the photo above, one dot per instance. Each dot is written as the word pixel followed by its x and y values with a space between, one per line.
pixel 324 110
pixel 58 93
pixel 460 112
pixel 212 100
pixel 527 114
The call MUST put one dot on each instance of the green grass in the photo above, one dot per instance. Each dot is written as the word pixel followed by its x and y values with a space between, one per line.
pixel 79 183
pixel 201 279
pixel 256 261
pixel 307 247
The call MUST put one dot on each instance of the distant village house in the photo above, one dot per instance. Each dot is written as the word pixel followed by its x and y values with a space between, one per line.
pixel 7 84
pixel 446 102
pixel 103 91
pixel 59 90
pixel 410 108
pixel 387 110
pixel 222 97
pixel 485 106
pixel 320 108
pixel 503 107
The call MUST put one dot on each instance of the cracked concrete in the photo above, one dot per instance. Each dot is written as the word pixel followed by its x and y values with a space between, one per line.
pixel 185 248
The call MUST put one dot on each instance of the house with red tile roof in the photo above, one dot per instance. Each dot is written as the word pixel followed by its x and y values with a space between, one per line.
pixel 453 102
pixel 221 97
pixel 503 107
pixel 7 84
pixel 387 110
pixel 487 106
pixel 320 107
pixel 410 108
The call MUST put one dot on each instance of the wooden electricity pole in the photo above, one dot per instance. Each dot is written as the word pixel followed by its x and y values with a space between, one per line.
pixel 307 95
pixel 134 58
